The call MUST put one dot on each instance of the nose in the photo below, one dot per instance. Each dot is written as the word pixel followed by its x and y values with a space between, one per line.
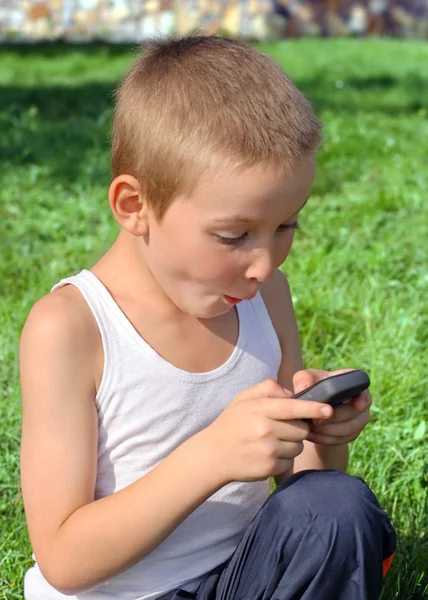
pixel 263 263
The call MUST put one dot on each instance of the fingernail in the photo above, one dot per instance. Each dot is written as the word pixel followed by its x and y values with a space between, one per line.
pixel 287 391
pixel 300 385
pixel 326 411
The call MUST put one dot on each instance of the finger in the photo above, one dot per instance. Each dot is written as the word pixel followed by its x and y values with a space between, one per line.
pixel 350 408
pixel 292 431
pixel 288 409
pixel 288 450
pixel 307 377
pixel 343 429
pixel 362 401
pixel 344 412
pixel 267 387
pixel 327 440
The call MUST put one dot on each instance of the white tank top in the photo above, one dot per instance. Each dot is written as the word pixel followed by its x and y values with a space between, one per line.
pixel 146 408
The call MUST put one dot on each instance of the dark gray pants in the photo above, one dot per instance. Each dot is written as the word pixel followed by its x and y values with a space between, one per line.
pixel 321 535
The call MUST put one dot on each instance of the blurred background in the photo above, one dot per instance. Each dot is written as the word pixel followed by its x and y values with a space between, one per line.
pixel 134 20
pixel 358 267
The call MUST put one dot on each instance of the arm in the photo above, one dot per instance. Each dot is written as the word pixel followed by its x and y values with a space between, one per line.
pixel 79 542
pixel 277 297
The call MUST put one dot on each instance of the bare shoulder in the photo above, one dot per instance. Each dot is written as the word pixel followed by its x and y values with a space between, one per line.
pixel 61 318
pixel 61 330
pixel 63 306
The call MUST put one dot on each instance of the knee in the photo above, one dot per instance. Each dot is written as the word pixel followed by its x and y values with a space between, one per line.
pixel 335 519
pixel 328 496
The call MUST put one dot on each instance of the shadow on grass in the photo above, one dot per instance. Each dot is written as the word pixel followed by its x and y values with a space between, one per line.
pixel 382 94
pixel 55 49
pixel 66 128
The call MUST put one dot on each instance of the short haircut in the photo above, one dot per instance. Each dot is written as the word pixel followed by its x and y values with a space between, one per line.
pixel 198 103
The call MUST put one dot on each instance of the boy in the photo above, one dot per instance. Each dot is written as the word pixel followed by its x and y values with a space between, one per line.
pixel 156 385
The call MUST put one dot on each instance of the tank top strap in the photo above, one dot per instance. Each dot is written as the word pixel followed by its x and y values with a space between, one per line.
pixel 110 320
pixel 116 329
pixel 100 302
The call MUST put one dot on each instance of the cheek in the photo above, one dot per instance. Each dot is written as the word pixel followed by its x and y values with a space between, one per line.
pixel 216 262
pixel 192 255
pixel 216 265
pixel 285 244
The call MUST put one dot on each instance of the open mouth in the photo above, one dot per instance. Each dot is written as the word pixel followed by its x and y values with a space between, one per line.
pixel 231 300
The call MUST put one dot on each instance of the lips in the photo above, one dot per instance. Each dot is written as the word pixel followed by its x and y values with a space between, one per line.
pixel 233 299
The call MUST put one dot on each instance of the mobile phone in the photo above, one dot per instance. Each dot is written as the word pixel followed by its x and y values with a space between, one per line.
pixel 337 388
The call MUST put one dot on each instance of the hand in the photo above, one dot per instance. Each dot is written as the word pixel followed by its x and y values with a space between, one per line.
pixel 349 418
pixel 260 433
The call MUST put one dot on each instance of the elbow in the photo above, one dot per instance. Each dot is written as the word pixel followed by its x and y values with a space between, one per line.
pixel 65 590
pixel 63 578
pixel 63 585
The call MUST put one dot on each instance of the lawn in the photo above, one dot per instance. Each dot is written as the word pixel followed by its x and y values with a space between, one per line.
pixel 357 269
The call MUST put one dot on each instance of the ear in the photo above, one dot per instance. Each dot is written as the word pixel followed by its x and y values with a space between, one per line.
pixel 127 204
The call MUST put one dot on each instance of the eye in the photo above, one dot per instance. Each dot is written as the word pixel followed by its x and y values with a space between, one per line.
pixel 225 240
pixel 281 228
pixel 287 226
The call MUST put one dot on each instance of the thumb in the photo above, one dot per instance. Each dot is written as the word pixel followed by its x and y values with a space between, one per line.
pixel 301 385
pixel 307 377
pixel 302 380
pixel 288 393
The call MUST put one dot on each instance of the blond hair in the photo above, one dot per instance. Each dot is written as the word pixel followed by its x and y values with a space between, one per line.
pixel 196 103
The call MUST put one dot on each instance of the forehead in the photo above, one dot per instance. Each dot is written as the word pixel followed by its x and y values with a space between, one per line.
pixel 250 195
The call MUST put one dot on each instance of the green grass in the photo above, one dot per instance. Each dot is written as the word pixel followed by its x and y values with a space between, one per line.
pixel 357 270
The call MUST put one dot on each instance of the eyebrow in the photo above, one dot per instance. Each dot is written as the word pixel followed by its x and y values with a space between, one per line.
pixel 241 219
pixel 228 220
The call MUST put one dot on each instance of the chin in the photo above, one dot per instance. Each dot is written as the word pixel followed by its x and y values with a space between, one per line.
pixel 212 314
pixel 213 311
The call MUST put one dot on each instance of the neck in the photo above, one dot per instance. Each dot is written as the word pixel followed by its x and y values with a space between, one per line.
pixel 125 272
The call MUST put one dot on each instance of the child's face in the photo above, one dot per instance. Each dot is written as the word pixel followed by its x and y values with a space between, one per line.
pixel 191 262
